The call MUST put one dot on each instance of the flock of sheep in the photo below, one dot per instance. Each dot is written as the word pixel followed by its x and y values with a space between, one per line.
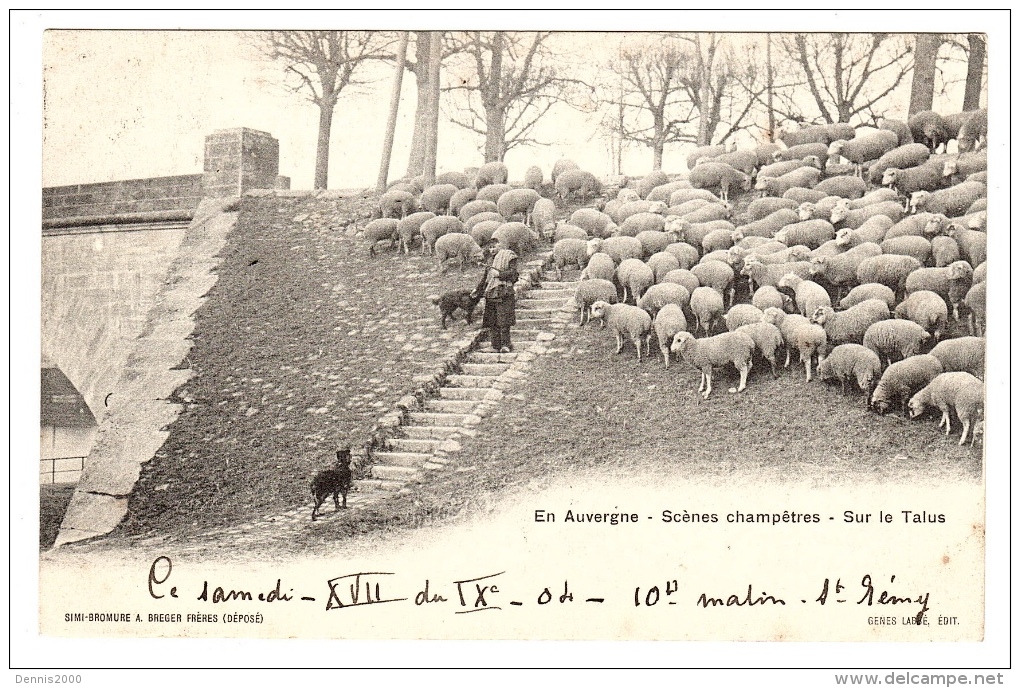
pixel 865 252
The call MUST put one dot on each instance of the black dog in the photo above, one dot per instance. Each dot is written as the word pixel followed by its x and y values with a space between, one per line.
pixel 335 481
pixel 452 300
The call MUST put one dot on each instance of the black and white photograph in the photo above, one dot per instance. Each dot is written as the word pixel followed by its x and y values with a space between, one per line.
pixel 660 326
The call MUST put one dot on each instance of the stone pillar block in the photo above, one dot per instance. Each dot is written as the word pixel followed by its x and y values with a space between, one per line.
pixel 240 159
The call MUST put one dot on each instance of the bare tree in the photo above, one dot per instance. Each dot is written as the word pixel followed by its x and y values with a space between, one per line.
pixel 922 86
pixel 319 65
pixel 391 121
pixel 509 82
pixel 848 75
pixel 975 71
pixel 420 66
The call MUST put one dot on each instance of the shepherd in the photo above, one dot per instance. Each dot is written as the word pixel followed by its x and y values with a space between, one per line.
pixel 497 286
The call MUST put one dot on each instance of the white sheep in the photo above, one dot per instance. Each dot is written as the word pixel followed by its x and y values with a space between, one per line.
pixel 581 182
pixel 561 166
pixel 842 186
pixel 841 270
pixel 625 321
pixel 662 192
pixel 974 132
pixel 965 164
pixel 855 361
pixel 482 232
pixel 822 210
pixel 662 263
pixel 517 237
pixel 901 157
pixel 849 326
pixel 770 297
pixel 476 207
pixel 650 181
pixel 569 253
pixel 810 233
pixel 808 295
pixel 685 254
pixel 713 352
pixel 384 229
pixel 907 181
pixel 799 333
pixel 870 290
pixel 642 222
pixel 951 282
pixel 711 175
pixel 707 306
pixel 436 198
pixel 717 275
pixel 492 192
pixel 681 196
pixel 590 291
pixel 457 245
pixel 980 272
pixel 973 244
pixel 892 271
pixel 654 242
pixel 600 266
pixel 951 202
pixel 436 227
pixel 659 295
pixel 668 321
pixel 685 278
pixel 843 216
pixel 410 227
pixel 903 338
pixel 864 148
pixel 543 217
pixel 902 380
pixel 957 391
pixel 944 251
pixel 929 128
pixel 873 197
pixel 819 151
pixel 534 177
pixel 742 314
pixel 898 127
pixel 635 277
pixel 802 177
pixel 962 353
pixel 760 208
pixel 594 222
pixel 767 340
pixel 565 230
pixel 975 303
pixel 916 246
pixel 710 212
pixel 922 224
pixel 873 231
pixel 619 248
pixel 761 274
pixel 927 309
pixel 491 173
pixel 397 203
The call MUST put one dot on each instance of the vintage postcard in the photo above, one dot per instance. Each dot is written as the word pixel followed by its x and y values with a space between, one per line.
pixel 667 329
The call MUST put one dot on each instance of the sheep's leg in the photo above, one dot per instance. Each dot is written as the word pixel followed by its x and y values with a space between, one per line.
pixel 944 420
pixel 701 383
pixel 788 352
pixel 619 343
pixel 708 386
pixel 771 358
pixel 637 345
pixel 807 365
pixel 733 294
pixel 966 429
pixel 665 355
pixel 743 376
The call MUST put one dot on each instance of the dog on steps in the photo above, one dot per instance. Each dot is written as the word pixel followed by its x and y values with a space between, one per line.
pixel 334 481
pixel 451 301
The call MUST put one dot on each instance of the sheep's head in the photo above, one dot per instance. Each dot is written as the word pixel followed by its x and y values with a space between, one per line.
pixel 937 224
pixel 777 156
pixel 844 237
pixel 598 309
pixel 657 207
pixel 890 176
pixel 805 210
pixel 836 147
pixel 812 161
pixel 960 270
pixel 840 211
pixel 627 195
pixel 750 261
pixel 822 315
pixel 745 182
pixel 680 340
pixel 593 246
pixel 789 280
pixel 917 200
pixel 949 169
pixel 978 221
pixel 763 183
pixel 782 235
pixel 916 406
pixel 773 315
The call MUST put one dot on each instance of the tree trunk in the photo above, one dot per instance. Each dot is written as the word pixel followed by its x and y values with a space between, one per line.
pixel 975 70
pixel 326 106
pixel 922 89
pixel 495 145
pixel 416 159
pixel 770 87
pixel 432 137
pixel 657 155
pixel 391 123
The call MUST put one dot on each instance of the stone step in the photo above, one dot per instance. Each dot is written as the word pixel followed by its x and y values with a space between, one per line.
pixel 451 405
pixel 400 458
pixel 384 485
pixel 492 369
pixel 394 473
pixel 550 294
pixel 528 306
pixel 476 394
pixel 399 444
pixel 428 432
pixel 522 333
pixel 444 419
pixel 558 285
pixel 486 357
pixel 471 381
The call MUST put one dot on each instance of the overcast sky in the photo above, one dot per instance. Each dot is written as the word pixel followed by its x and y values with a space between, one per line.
pixel 127 104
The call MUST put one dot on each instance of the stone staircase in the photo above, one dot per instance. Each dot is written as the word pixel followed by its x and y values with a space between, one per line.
pixel 428 438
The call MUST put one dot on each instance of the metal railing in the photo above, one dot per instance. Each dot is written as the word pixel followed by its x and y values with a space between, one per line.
pixel 62 466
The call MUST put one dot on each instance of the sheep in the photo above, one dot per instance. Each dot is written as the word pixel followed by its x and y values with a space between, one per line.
pixel 662 192
pixel 517 202
pixel 477 207
pixel 658 295
pixel 694 233
pixel 843 186
pixel 709 213
pixel 561 166
pixel 742 161
pixel 873 231
pixel 569 231
pixel 594 222
pixel 761 208
pixel 457 245
pixel 436 198
pixel 799 152
pixel 977 219
pixel 951 202
pixel 928 128
pixel 717 275
pixel 927 309
pixel 436 227
pixel 771 224
pixel 591 290
pixel 688 207
pixel 683 195
pixel 642 222
pixel 625 321
pixel 872 197
pixel 492 192
pixel 808 295
pixel 568 253
pixel 705 152
pixel 974 132
pixel 799 333
pixel 908 181
pixel 980 205
pixel 761 246
pixel 802 195
pixel 482 231
pixel 742 314
pixel 864 148
pixel 600 266
pixel 474 220
pixel 855 361
pixel 849 326
pixel 922 224
pixel 458 179
pixel 707 306
pixel 975 303
pixel 620 215
pixel 397 204
pixel 579 182
pixel 667 322
pixel 898 127
pixel 801 135
pixel 717 240
pixel 710 175
pixel 965 164
pixel 770 297
pixel 844 217
pixel 915 246
pixel 944 250
pixel 635 277
pixel 409 228
pixel 384 229
pixel 461 198
pixel 810 233
pixel 543 217
pixel 491 173
pixel 685 254
pixel 761 275
pixel 662 263
pixel 683 277
pixel 950 282
pixel 766 153
pixel 654 241
pixel 335 481
pixel 962 353
pixel 517 237
pixel 412 186
pixel 841 270
pixel 822 210
pixel 704 354
pixel 806 177
pixel 722 255
pixel 767 340
pixel 619 248
pixel 903 157
pixel 980 273
pixel 870 290
pixel 973 245
pixel 957 391
pixel 904 379
pixel 650 181
pixel 895 337
pixel 533 178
